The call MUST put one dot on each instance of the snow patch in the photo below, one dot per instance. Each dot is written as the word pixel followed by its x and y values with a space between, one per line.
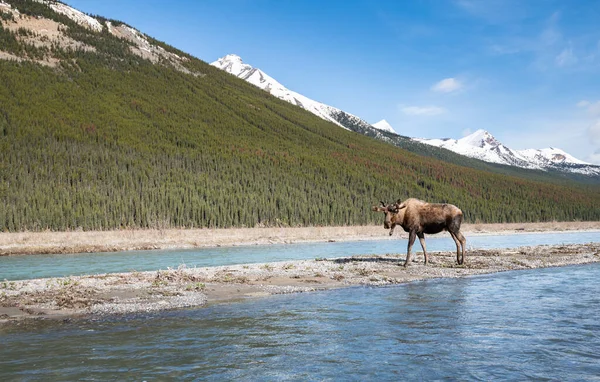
pixel 384 125
pixel 75 15
pixel 551 154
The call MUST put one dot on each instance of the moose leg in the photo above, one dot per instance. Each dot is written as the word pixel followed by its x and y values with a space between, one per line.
pixel 411 240
pixel 422 241
pixel 458 247
pixel 392 229
pixel 463 243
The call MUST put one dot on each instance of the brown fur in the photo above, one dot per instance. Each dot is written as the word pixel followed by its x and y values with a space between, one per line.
pixel 419 218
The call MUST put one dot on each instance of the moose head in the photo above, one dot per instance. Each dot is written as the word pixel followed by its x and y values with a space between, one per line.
pixel 390 211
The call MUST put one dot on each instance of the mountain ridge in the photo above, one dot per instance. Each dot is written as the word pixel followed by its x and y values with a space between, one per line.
pixel 233 64
pixel 484 146
pixel 490 150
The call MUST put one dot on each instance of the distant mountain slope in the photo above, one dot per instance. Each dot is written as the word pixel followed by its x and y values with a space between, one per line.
pixel 233 64
pixel 479 145
pixel 113 129
pixel 484 146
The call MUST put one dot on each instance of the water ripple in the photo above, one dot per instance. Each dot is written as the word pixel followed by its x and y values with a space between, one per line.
pixel 539 324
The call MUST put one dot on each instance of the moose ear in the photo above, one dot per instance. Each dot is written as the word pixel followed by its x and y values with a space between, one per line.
pixel 378 209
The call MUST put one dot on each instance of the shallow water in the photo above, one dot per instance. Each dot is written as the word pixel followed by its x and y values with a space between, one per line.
pixel 39 266
pixel 535 324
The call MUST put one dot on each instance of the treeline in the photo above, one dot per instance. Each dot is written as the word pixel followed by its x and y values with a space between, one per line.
pixel 111 141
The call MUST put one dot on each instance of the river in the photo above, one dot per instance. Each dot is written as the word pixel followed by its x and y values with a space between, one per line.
pixel 537 324
pixel 41 266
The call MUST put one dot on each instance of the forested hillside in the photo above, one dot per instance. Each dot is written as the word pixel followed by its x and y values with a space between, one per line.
pixel 104 139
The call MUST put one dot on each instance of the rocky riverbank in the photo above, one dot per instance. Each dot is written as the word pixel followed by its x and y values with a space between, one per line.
pixel 95 295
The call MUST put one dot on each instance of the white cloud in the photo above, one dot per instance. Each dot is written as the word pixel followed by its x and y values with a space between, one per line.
pixel 551 34
pixel 550 46
pixel 594 133
pixel 583 103
pixel 466 132
pixel 495 11
pixel 566 58
pixel 422 110
pixel 594 158
pixel 447 85
pixel 580 138
pixel 593 108
pixel 505 49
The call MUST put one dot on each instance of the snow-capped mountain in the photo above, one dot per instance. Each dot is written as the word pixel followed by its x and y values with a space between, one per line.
pixel 551 155
pixel 233 64
pixel 384 125
pixel 484 146
pixel 480 145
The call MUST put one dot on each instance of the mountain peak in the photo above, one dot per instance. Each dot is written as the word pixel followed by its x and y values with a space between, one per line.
pixel 384 125
pixel 233 64
pixel 480 138
pixel 231 58
pixel 230 62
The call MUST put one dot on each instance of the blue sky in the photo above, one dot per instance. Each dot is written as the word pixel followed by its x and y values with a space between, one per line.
pixel 526 71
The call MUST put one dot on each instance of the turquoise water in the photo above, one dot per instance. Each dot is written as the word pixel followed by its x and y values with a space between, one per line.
pixel 522 325
pixel 39 266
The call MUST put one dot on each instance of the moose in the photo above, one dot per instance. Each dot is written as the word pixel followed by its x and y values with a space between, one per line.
pixel 419 218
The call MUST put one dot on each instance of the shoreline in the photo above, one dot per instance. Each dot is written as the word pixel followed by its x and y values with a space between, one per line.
pixel 140 292
pixel 46 242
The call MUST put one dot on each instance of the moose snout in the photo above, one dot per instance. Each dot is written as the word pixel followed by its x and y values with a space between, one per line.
pixel 386 225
